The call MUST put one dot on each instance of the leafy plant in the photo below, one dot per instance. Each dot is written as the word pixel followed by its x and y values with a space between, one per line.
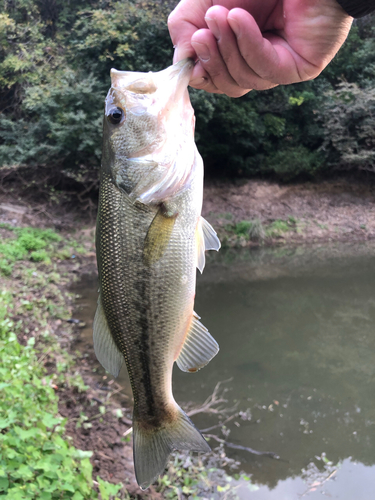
pixel 29 243
pixel 252 229
pixel 36 461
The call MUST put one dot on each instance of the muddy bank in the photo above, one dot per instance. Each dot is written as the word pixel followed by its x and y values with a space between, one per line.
pixel 342 209
pixel 333 210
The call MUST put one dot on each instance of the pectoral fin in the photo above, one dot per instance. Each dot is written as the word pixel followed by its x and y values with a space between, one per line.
pixel 198 349
pixel 206 239
pixel 105 348
pixel 158 235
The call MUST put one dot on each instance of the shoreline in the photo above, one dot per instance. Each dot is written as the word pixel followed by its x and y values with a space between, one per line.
pixel 338 210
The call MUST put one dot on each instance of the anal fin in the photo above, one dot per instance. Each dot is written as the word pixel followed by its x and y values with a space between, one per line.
pixel 106 350
pixel 198 349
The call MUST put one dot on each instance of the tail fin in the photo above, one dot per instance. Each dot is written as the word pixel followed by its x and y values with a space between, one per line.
pixel 152 448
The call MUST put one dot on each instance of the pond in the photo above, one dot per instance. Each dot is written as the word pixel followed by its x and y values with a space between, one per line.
pixel 296 330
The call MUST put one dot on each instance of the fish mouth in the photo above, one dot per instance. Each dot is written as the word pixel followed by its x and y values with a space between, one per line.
pixel 173 79
pixel 181 71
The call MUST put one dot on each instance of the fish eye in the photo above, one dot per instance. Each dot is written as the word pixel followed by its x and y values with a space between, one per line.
pixel 115 115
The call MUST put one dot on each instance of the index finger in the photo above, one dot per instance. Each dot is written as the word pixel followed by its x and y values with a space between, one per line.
pixel 183 22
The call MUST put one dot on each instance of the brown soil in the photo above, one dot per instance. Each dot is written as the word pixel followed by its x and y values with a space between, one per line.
pixel 112 458
pixel 334 210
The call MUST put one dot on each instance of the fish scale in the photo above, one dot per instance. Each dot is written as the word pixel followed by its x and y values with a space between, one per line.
pixel 134 307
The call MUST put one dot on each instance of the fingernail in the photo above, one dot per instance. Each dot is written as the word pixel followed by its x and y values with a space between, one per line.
pixel 234 25
pixel 202 51
pixel 212 24
pixel 198 82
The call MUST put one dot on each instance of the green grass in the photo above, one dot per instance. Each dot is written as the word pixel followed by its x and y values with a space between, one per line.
pixel 278 227
pixel 248 229
pixel 28 243
pixel 36 462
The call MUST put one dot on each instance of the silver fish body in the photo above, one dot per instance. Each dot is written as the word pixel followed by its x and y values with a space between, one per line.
pixel 150 239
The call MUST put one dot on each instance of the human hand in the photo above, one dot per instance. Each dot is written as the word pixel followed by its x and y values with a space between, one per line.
pixel 256 44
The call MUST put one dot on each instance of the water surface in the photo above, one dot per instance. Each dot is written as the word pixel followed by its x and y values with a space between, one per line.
pixel 296 330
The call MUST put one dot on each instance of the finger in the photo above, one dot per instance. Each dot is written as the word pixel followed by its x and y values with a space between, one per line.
pixel 182 41
pixel 269 56
pixel 183 22
pixel 210 58
pixel 201 80
pixel 237 67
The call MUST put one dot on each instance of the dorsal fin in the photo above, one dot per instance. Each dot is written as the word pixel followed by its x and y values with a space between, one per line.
pixel 198 349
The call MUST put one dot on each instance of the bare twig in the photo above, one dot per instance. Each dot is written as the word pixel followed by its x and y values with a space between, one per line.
pixel 270 454
pixel 317 484
pixel 214 400
pixel 220 424
pixel 128 421
pixel 119 389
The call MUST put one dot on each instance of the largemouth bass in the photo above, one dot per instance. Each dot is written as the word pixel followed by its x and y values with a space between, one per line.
pixel 150 238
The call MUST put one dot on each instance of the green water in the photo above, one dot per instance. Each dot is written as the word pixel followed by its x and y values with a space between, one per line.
pixel 297 339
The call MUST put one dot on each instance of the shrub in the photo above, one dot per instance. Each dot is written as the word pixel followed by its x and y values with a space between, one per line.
pixel 348 117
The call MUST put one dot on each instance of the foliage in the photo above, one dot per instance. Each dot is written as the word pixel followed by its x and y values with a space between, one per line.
pixel 54 81
pixel 36 462
pixel 29 243
pixel 257 231
pixel 249 229
pixel 348 118
pixel 55 59
pixel 263 133
pixel 278 227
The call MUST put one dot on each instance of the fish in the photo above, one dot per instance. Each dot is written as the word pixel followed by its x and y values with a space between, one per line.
pixel 150 238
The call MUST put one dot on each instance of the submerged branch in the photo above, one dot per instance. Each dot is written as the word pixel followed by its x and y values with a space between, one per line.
pixel 270 454
pixel 212 402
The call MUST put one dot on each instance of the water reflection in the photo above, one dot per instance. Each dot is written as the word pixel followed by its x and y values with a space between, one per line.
pixel 297 337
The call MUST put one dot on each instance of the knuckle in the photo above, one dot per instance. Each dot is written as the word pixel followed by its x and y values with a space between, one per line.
pixel 213 71
pixel 243 82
